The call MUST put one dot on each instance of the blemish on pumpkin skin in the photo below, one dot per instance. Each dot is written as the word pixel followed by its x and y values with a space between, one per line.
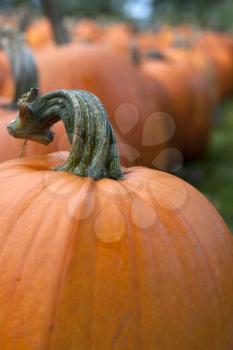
pixel 197 248
pixel 51 326
pixel 120 328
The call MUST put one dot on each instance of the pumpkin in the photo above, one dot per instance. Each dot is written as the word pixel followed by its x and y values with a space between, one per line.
pixel 149 40
pixel 39 34
pixel 189 81
pixel 119 36
pixel 141 261
pixel 87 30
pixel 218 48
pixel 215 47
pixel 164 38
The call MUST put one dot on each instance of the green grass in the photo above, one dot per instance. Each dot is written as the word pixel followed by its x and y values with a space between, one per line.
pixel 213 175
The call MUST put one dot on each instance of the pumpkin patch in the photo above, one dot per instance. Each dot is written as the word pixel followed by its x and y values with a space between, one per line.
pixel 184 82
pixel 111 113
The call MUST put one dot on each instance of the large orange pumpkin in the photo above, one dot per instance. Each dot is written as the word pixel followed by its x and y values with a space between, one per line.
pixel 142 262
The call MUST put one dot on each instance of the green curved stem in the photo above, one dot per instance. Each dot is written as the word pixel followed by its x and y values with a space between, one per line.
pixel 94 151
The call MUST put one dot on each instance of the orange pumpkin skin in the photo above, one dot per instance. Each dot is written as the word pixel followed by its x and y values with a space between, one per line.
pixel 140 263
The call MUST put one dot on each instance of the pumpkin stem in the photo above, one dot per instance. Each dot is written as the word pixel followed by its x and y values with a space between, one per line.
pixel 134 53
pixel 137 56
pixel 93 151
pixel 154 54
pixel 22 61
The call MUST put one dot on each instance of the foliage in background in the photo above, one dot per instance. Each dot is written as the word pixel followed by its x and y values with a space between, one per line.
pixel 209 13
pixel 214 14
pixel 71 7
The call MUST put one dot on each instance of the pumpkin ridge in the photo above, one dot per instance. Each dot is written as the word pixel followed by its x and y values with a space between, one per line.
pixel 208 264
pixel 20 268
pixel 218 293
pixel 61 281
pixel 11 223
pixel 133 262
